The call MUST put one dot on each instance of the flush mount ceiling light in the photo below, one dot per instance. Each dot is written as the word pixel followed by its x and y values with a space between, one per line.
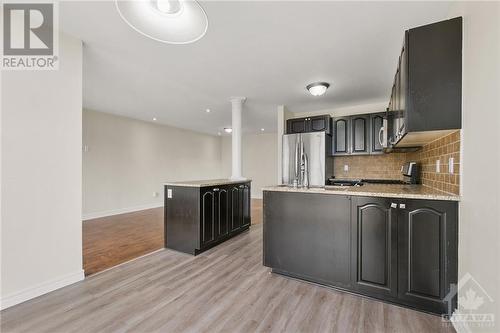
pixel 317 88
pixel 228 129
pixel 166 21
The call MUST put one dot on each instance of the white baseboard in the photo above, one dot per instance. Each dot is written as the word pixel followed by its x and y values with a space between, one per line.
pixel 40 289
pixel 112 212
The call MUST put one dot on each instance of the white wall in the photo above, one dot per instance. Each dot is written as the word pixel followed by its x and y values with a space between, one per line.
pixel 259 160
pixel 41 170
pixel 479 227
pixel 127 160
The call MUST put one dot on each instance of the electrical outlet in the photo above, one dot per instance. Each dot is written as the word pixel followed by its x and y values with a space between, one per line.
pixel 346 167
pixel 450 165
pixel 438 166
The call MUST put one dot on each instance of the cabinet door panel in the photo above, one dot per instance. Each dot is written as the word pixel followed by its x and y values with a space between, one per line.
pixel 320 123
pixel 359 134
pixel 245 203
pixel 298 125
pixel 235 214
pixel 428 252
pixel 341 135
pixel 207 217
pixel 223 211
pixel 375 237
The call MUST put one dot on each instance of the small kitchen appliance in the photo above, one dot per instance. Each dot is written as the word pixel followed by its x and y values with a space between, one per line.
pixel 411 172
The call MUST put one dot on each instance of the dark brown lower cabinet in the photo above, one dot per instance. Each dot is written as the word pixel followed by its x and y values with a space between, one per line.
pixel 399 251
pixel 197 218
pixel 428 239
pixel 374 246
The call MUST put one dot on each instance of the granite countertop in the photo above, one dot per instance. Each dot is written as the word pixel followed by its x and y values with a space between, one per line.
pixel 375 190
pixel 207 182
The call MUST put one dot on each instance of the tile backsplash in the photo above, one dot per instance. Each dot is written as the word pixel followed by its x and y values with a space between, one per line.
pixel 388 166
pixel 441 149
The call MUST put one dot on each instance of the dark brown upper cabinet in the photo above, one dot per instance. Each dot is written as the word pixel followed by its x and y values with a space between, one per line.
pixel 298 125
pixel 309 124
pixel 358 135
pixel 427 90
pixel 360 127
pixel 341 136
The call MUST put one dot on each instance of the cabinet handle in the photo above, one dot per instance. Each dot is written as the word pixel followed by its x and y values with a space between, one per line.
pixel 402 206
pixel 394 205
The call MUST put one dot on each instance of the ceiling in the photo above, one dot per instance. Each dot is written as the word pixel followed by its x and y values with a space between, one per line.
pixel 266 51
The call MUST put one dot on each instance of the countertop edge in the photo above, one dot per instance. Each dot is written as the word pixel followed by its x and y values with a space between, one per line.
pixel 203 183
pixel 443 197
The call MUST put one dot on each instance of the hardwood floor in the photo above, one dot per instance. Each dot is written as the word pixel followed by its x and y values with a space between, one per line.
pixel 110 241
pixel 225 289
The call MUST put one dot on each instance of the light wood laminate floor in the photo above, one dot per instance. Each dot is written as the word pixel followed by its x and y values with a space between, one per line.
pixel 225 289
pixel 112 240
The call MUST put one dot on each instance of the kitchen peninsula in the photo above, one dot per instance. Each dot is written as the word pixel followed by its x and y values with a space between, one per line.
pixel 397 243
pixel 201 214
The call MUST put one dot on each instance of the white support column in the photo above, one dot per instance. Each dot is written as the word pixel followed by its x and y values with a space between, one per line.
pixel 237 108
pixel 283 115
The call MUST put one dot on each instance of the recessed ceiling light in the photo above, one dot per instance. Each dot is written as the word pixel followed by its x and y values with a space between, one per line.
pixel 208 110
pixel 317 88
pixel 167 21
pixel 154 118
pixel 262 129
pixel 228 129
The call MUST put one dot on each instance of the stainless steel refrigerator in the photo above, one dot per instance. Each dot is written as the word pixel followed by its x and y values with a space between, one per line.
pixel 307 159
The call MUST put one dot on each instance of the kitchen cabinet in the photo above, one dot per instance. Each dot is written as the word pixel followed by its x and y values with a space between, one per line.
pixel 309 124
pixel 357 135
pixel 402 251
pixel 298 125
pixel 197 218
pixel 239 213
pixel 427 91
pixel 427 252
pixel 307 236
pixel 360 137
pixel 375 246
pixel 341 135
